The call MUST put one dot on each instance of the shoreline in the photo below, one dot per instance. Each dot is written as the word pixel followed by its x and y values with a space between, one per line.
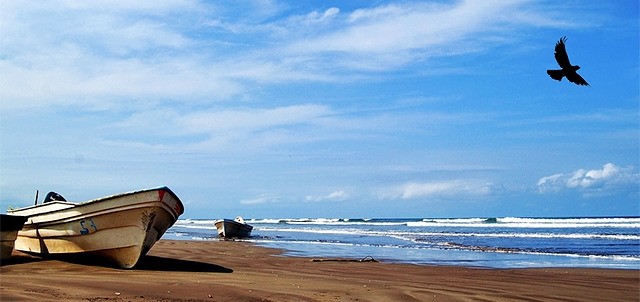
pixel 182 270
pixel 513 260
pixel 505 242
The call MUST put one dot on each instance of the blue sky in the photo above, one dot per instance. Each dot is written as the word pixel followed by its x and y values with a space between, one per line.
pixel 272 109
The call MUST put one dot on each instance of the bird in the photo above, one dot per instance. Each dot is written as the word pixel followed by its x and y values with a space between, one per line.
pixel 567 70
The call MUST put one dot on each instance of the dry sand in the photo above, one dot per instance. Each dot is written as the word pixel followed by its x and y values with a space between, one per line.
pixel 240 271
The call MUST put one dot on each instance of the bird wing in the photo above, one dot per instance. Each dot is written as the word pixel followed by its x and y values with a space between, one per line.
pixel 574 77
pixel 561 54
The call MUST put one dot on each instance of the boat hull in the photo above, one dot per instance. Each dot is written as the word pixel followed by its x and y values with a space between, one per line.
pixel 9 227
pixel 228 228
pixel 120 228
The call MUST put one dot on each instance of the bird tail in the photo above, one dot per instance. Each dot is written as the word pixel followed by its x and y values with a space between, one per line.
pixel 555 74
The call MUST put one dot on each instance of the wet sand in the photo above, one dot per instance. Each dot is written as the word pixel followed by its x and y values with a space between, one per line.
pixel 240 271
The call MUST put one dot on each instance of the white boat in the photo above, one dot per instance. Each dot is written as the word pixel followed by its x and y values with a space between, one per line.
pixel 236 228
pixel 120 228
pixel 9 227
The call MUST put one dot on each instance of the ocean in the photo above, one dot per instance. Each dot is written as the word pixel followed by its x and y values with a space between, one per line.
pixel 502 242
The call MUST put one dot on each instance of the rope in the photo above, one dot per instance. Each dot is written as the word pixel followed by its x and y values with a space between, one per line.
pixel 365 259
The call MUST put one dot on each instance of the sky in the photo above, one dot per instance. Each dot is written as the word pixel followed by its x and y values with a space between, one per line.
pixel 292 109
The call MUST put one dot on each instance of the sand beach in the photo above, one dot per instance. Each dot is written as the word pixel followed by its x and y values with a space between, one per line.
pixel 241 271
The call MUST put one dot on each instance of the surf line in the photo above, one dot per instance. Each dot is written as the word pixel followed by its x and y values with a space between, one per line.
pixel 365 259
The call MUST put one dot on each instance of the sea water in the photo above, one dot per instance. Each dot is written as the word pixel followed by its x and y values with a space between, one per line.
pixel 506 242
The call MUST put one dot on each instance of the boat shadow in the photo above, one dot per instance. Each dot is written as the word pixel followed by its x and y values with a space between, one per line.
pixel 146 263
pixel 20 259
pixel 156 263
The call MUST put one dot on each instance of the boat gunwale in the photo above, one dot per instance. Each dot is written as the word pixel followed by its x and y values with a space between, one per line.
pixel 148 204
pixel 96 200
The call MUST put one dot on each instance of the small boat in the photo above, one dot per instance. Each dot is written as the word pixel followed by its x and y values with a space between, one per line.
pixel 236 228
pixel 9 227
pixel 120 228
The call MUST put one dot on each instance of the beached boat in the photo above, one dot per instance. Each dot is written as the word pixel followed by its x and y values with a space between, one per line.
pixel 236 228
pixel 120 228
pixel 9 227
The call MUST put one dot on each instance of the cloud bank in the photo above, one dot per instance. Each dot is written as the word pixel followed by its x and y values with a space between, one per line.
pixel 333 196
pixel 107 53
pixel 459 188
pixel 606 180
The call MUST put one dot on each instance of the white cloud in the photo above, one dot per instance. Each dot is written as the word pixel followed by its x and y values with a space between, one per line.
pixel 236 130
pixel 418 31
pixel 316 17
pixel 110 52
pixel 227 119
pixel 595 181
pixel 264 198
pixel 439 189
pixel 333 196
pixel 251 118
pixel 68 53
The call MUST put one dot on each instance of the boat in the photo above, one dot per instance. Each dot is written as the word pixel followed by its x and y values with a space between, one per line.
pixel 236 228
pixel 120 228
pixel 9 227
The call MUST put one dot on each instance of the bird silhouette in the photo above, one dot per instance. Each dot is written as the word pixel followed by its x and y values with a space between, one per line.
pixel 567 70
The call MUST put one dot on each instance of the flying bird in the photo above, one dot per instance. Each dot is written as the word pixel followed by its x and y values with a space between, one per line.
pixel 567 70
